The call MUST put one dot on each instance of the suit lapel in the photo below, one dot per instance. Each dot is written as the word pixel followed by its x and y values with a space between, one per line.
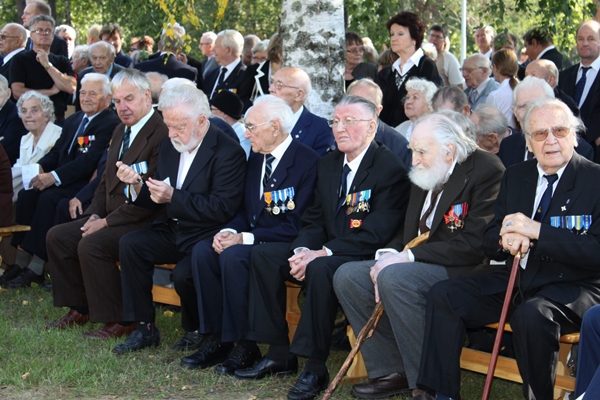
pixel 204 154
pixel 413 212
pixel 335 177
pixel 113 154
pixel 254 177
pixel 302 124
pixel 365 164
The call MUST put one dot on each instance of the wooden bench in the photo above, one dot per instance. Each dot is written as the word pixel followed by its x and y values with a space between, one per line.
pixel 9 230
pixel 478 361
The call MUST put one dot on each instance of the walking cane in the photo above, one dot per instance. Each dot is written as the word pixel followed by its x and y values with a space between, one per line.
pixel 500 332
pixel 368 330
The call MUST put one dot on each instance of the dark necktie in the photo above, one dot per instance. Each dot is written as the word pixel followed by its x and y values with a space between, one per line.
pixel 80 131
pixel 546 198
pixel 423 221
pixel 125 143
pixel 580 85
pixel 268 170
pixel 344 186
pixel 219 81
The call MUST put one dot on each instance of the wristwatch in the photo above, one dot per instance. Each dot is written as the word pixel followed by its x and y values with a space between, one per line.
pixel 49 65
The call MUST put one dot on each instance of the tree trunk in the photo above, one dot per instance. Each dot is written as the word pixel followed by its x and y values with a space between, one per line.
pixel 314 39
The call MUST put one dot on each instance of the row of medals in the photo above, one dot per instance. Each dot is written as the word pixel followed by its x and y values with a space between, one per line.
pixel 362 206
pixel 276 208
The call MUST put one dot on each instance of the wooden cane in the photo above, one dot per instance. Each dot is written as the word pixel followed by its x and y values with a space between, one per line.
pixel 500 332
pixel 368 330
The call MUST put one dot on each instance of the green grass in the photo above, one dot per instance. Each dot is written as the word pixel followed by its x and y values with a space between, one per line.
pixel 40 364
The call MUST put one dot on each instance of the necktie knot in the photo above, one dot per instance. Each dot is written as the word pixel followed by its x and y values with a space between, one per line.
pixel 551 179
pixel 126 140
pixel 584 71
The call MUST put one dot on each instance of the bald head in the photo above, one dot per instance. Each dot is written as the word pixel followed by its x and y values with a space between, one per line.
pixel 543 69
pixel 16 37
pixel 292 85
pixel 369 90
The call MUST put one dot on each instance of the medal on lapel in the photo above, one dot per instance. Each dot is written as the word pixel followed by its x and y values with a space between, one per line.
pixel 290 204
pixel 455 219
pixel 276 210
pixel 268 201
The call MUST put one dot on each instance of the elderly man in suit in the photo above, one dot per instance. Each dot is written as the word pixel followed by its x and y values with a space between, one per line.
pixel 539 46
pixel 513 149
pixel 546 212
pixel 293 86
pixel 476 70
pixel 454 185
pixel 360 199
pixel 12 41
pixel 83 254
pixel 11 126
pixel 64 171
pixel 199 182
pixel 386 135
pixel 279 186
pixel 207 48
pixel 168 64
pixel 231 72
pixel 102 57
pixel 582 81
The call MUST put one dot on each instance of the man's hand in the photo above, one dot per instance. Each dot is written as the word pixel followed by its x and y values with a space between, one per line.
pixel 42 181
pixel 93 224
pixel 182 57
pixel 126 174
pixel 160 192
pixel 385 260
pixel 223 240
pixel 298 262
pixel 75 207
pixel 518 231
pixel 42 58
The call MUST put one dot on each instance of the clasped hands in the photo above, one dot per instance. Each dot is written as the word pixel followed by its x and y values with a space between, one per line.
pixel 225 239
pixel 517 232
pixel 300 260
pixel 42 181
pixel 160 192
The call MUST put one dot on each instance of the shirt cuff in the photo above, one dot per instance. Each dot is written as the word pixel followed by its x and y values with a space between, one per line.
pixel 133 193
pixel 381 252
pixel 329 252
pixel 248 238
pixel 55 175
pixel 299 249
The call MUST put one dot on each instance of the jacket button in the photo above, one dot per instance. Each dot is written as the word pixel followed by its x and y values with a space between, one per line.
pixel 560 275
pixel 112 195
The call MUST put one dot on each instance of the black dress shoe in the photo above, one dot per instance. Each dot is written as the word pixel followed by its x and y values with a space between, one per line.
pixel 25 279
pixel 189 341
pixel 210 354
pixel 308 386
pixel 267 367
pixel 379 388
pixel 10 273
pixel 239 358
pixel 136 341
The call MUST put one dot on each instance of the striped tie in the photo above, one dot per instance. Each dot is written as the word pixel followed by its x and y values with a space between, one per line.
pixel 268 169
pixel 125 143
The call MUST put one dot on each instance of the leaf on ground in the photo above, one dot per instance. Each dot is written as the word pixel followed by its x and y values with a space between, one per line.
pixel 25 375
pixel 168 313
pixel 25 303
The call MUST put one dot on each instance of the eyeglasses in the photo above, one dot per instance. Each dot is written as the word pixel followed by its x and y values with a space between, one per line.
pixel 557 131
pixel 4 37
pixel 469 70
pixel 345 121
pixel 43 31
pixel 356 50
pixel 205 44
pixel 280 85
pixel 259 59
pixel 250 127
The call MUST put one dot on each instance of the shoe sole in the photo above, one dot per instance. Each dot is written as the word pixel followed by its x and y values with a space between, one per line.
pixel 404 392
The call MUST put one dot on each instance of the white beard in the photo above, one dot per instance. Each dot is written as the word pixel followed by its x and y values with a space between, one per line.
pixel 180 147
pixel 430 178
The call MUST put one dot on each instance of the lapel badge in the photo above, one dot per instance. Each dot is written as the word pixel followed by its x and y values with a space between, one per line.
pixel 455 219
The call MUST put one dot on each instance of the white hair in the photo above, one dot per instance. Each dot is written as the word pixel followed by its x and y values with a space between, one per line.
pixel 274 108
pixel 232 39
pixel 102 78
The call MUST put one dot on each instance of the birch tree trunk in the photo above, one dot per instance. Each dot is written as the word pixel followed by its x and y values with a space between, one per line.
pixel 314 39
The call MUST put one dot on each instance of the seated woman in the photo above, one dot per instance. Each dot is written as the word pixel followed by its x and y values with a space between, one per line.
pixel 37 112
pixel 355 67
pixel 418 102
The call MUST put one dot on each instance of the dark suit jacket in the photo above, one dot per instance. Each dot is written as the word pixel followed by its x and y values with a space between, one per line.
pixel 116 69
pixel 5 69
pixel 562 96
pixel 123 60
pixel 554 56
pixel 173 68
pixel 109 200
pixel 232 83
pixel 562 266
pixel 590 109
pixel 211 193
pixel 297 169
pixel 74 166
pixel 58 46
pixel 255 84
pixel 513 148
pixel 323 225
pixel 6 189
pixel 394 141
pixel 475 181
pixel 12 129
pixel 314 132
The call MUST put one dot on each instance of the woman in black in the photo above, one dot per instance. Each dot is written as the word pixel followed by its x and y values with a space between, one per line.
pixel 406 35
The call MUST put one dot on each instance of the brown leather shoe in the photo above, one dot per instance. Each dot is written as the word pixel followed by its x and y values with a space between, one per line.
pixel 110 330
pixel 379 388
pixel 72 318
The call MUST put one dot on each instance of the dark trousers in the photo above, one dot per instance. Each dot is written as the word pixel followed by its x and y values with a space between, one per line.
pixel 84 271
pixel 37 209
pixel 139 251
pixel 588 368
pixel 537 324
pixel 268 273
pixel 221 281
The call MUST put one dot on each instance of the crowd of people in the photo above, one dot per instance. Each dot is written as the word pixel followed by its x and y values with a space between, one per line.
pixel 121 162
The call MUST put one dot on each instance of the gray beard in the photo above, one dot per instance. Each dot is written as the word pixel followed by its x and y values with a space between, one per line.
pixel 430 178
